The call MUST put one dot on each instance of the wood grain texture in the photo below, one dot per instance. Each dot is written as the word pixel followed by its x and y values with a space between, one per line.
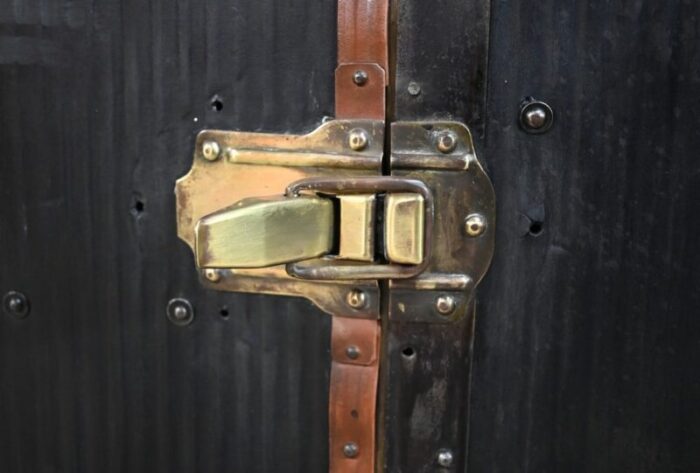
pixel 99 106
pixel 587 336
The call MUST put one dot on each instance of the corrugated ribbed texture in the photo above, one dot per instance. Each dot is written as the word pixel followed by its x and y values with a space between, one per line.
pixel 99 105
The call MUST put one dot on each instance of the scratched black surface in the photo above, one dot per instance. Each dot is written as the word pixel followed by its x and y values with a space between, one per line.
pixel 99 105
pixel 587 336
pixel 427 372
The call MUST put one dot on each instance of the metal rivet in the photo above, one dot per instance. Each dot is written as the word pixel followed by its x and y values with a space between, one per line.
pixel 445 458
pixel 351 450
pixel 474 225
pixel 358 139
pixel 535 116
pixel 212 275
pixel 211 150
pixel 356 299
pixel 16 304
pixel 446 142
pixel 445 305
pixel 352 352
pixel 360 77
pixel 413 88
pixel 180 312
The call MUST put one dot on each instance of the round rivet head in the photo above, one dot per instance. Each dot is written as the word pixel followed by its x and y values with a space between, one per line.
pixel 360 77
pixel 212 275
pixel 352 352
pixel 351 450
pixel 445 458
pixel 211 150
pixel 16 304
pixel 358 139
pixel 356 299
pixel 536 116
pixel 445 305
pixel 474 225
pixel 446 142
pixel 413 89
pixel 180 312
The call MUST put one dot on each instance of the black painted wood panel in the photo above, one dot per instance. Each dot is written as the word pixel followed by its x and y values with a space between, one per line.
pixel 100 102
pixel 587 335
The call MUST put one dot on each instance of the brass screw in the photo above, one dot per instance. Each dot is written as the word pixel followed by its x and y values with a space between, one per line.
pixel 358 139
pixel 446 142
pixel 445 305
pixel 351 450
pixel 360 77
pixel 474 225
pixel 356 299
pixel 212 275
pixel 211 150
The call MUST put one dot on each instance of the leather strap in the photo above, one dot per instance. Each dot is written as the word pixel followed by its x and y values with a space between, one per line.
pixel 353 394
pixel 360 92
pixel 362 49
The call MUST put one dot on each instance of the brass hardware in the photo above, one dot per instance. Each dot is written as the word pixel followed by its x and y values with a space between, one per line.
pixel 324 269
pixel 403 228
pixel 445 305
pixel 358 139
pixel 211 150
pixel 460 187
pixel 357 227
pixel 357 299
pixel 256 233
pixel 447 142
pixel 262 165
pixel 474 225
pixel 298 215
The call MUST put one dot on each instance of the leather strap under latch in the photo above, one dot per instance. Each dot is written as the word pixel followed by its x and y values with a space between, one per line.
pixel 360 92
pixel 363 59
pixel 353 394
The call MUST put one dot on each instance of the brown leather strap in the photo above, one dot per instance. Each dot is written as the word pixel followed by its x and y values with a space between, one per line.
pixel 360 92
pixel 353 394
pixel 363 50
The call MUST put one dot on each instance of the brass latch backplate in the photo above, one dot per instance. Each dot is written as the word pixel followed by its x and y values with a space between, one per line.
pixel 313 216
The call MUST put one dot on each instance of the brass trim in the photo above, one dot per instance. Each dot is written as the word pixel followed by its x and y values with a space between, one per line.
pixel 256 233
pixel 333 269
pixel 403 228
pixel 357 227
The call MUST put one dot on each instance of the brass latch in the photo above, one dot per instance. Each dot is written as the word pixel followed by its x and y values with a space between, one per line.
pixel 302 227
pixel 312 215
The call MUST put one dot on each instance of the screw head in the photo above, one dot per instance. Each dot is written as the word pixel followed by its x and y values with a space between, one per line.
pixel 356 299
pixel 445 305
pixel 16 304
pixel 358 139
pixel 211 150
pixel 212 275
pixel 351 450
pixel 360 77
pixel 536 116
pixel 474 225
pixel 445 458
pixel 180 312
pixel 446 142
pixel 413 89
pixel 352 352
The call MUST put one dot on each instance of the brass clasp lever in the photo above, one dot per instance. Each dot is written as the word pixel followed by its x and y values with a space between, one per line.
pixel 325 229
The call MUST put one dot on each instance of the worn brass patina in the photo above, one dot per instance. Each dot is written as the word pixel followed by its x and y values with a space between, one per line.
pixel 256 233
pixel 298 215
pixel 403 228
pixel 357 214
